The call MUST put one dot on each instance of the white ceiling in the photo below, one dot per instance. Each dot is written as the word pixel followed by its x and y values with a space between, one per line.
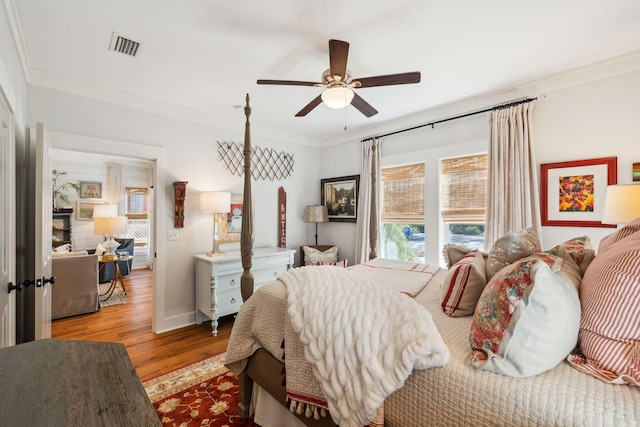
pixel 199 58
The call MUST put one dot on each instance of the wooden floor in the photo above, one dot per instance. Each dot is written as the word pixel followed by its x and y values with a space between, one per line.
pixel 130 324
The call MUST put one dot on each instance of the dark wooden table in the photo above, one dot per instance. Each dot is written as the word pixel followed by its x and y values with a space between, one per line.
pixel 71 383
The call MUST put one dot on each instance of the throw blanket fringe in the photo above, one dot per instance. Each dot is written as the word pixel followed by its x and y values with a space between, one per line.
pixel 361 339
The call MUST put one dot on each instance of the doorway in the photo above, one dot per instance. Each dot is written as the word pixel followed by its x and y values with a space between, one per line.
pixel 106 148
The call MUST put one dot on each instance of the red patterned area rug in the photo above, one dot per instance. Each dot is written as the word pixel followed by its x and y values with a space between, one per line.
pixel 201 394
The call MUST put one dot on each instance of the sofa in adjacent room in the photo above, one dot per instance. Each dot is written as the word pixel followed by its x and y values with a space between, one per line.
pixel 75 290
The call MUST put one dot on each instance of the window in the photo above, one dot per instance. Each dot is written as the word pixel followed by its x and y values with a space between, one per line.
pixel 464 191
pixel 402 190
pixel 137 203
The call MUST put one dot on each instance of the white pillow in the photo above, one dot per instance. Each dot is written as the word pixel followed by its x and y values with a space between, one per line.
pixel 313 256
pixel 541 328
pixel 100 249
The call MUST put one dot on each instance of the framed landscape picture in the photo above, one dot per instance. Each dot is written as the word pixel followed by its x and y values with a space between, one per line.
pixel 340 195
pixel 572 193
pixel 85 209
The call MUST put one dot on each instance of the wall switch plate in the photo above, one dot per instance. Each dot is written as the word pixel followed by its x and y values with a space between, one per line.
pixel 173 235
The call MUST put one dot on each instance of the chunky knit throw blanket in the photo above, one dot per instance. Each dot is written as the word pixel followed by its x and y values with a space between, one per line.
pixel 360 339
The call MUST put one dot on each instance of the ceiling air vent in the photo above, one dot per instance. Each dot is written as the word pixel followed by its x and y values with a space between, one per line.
pixel 123 45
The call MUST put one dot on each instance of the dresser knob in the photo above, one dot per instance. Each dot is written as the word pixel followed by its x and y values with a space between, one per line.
pixel 233 300
pixel 275 274
pixel 233 282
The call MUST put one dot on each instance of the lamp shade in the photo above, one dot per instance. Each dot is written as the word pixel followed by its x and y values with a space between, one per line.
pixel 621 204
pixel 105 210
pixel 337 97
pixel 316 214
pixel 215 201
pixel 109 226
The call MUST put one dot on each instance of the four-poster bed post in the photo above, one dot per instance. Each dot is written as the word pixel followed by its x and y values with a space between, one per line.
pixel 246 234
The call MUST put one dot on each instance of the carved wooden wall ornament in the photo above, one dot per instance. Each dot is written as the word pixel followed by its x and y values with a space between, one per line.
pixel 180 188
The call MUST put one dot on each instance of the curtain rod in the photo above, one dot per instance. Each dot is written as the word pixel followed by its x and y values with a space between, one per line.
pixel 473 113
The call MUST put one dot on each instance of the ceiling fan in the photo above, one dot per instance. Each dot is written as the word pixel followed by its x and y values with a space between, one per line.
pixel 339 82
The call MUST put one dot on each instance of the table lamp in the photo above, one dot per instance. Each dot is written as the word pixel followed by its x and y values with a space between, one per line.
pixel 316 214
pixel 109 226
pixel 621 204
pixel 217 202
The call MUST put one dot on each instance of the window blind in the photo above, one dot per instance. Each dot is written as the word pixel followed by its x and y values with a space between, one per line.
pixel 464 189
pixel 403 194
pixel 137 202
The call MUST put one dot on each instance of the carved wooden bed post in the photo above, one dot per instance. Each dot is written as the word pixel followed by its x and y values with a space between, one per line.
pixel 246 234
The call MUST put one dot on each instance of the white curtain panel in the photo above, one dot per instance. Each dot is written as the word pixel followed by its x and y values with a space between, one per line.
pixel 116 191
pixel 512 193
pixel 367 234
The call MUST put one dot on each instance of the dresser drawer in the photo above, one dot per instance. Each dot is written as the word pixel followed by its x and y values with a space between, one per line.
pixel 269 274
pixel 229 302
pixel 228 282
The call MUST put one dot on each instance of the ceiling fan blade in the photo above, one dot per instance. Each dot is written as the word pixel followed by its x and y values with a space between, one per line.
pixel 363 106
pixel 338 53
pixel 310 106
pixel 288 83
pixel 388 80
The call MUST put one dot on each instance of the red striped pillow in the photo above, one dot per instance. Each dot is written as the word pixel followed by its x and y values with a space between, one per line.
pixel 342 263
pixel 463 285
pixel 609 339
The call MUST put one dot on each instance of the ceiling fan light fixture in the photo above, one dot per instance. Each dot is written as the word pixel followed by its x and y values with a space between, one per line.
pixel 337 97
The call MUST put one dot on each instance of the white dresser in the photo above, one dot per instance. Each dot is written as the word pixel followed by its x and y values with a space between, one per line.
pixel 218 280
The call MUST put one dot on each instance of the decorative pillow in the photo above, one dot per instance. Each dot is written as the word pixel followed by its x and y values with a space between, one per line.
pixel 63 248
pixel 100 250
pixel 313 256
pixel 578 248
pixel 68 254
pixel 510 248
pixel 619 234
pixel 527 318
pixel 342 263
pixel 463 286
pixel 609 339
pixel 454 253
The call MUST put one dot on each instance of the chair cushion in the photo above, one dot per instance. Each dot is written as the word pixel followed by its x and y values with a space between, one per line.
pixel 313 256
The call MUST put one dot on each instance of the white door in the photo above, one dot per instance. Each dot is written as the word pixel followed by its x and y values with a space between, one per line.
pixel 7 227
pixel 42 227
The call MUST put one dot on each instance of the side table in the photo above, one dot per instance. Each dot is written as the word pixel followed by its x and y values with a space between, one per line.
pixel 117 277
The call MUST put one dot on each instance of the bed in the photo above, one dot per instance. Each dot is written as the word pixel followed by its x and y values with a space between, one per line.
pixel 454 394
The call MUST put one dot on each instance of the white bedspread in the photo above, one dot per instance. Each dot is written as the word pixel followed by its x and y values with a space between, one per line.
pixel 361 338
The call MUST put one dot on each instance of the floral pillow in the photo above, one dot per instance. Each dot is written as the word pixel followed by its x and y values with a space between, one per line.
pixel 313 256
pixel 527 318
pixel 510 248
pixel 578 248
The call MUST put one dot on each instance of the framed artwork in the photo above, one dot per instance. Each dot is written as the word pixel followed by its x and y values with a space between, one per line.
pixel 90 190
pixel 340 196
pixel 230 225
pixel 636 172
pixel 572 193
pixel 85 209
